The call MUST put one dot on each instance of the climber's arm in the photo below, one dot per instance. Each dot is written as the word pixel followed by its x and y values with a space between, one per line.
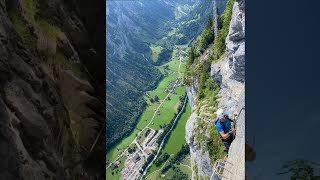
pixel 224 135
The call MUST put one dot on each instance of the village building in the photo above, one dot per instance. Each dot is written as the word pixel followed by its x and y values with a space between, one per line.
pixel 136 158
pixel 117 163
pixel 147 150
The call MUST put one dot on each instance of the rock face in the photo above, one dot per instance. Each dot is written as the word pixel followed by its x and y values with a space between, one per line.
pixel 229 73
pixel 236 42
pixel 200 161
pixel 39 136
pixel 192 92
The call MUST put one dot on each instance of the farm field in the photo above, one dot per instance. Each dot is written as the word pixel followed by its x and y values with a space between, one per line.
pixel 116 173
pixel 175 141
pixel 168 106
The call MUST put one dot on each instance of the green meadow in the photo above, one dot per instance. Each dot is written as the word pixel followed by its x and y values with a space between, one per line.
pixel 167 110
pixel 175 141
pixel 116 173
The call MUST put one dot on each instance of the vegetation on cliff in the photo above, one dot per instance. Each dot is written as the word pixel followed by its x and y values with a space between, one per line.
pixel 53 61
pixel 207 49
pixel 224 23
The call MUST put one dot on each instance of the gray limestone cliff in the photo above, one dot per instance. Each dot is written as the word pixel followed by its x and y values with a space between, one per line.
pixel 233 81
pixel 229 73
pixel 200 160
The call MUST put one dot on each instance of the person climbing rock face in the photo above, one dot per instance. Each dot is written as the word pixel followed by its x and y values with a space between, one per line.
pixel 226 132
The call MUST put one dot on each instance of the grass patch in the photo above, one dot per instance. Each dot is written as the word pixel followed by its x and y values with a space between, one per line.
pixel 166 111
pixel 48 28
pixel 181 90
pixel 47 37
pixel 173 65
pixel 214 145
pixel 186 161
pixel 173 145
pixel 59 61
pixel 160 91
pixel 143 121
pixel 20 25
pixel 152 169
pixel 155 176
pixel 116 173
pixel 142 136
pixel 30 7
pixel 155 51
pixel 169 174
pixel 113 153
pixel 46 42
pixel 177 136
pixel 185 170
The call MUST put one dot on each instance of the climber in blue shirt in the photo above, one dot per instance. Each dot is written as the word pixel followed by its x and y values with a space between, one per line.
pixel 223 125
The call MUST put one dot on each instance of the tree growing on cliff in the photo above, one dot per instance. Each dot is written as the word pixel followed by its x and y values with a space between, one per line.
pixel 219 42
pixel 206 36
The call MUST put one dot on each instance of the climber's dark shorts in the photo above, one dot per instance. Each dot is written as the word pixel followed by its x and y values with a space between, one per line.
pixel 227 143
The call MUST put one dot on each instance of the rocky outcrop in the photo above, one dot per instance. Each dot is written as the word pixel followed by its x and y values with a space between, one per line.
pixel 236 43
pixel 34 127
pixel 230 73
pixel 200 160
pixel 192 92
pixel 50 93
pixel 236 154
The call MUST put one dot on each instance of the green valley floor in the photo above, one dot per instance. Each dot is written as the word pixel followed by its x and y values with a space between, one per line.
pixel 163 103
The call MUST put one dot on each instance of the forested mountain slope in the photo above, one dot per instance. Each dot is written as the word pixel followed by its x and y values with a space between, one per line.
pixel 135 30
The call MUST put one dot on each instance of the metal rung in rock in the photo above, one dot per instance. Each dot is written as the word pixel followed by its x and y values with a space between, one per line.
pixel 218 168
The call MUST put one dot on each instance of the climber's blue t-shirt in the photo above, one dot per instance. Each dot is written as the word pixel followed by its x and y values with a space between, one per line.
pixel 223 126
